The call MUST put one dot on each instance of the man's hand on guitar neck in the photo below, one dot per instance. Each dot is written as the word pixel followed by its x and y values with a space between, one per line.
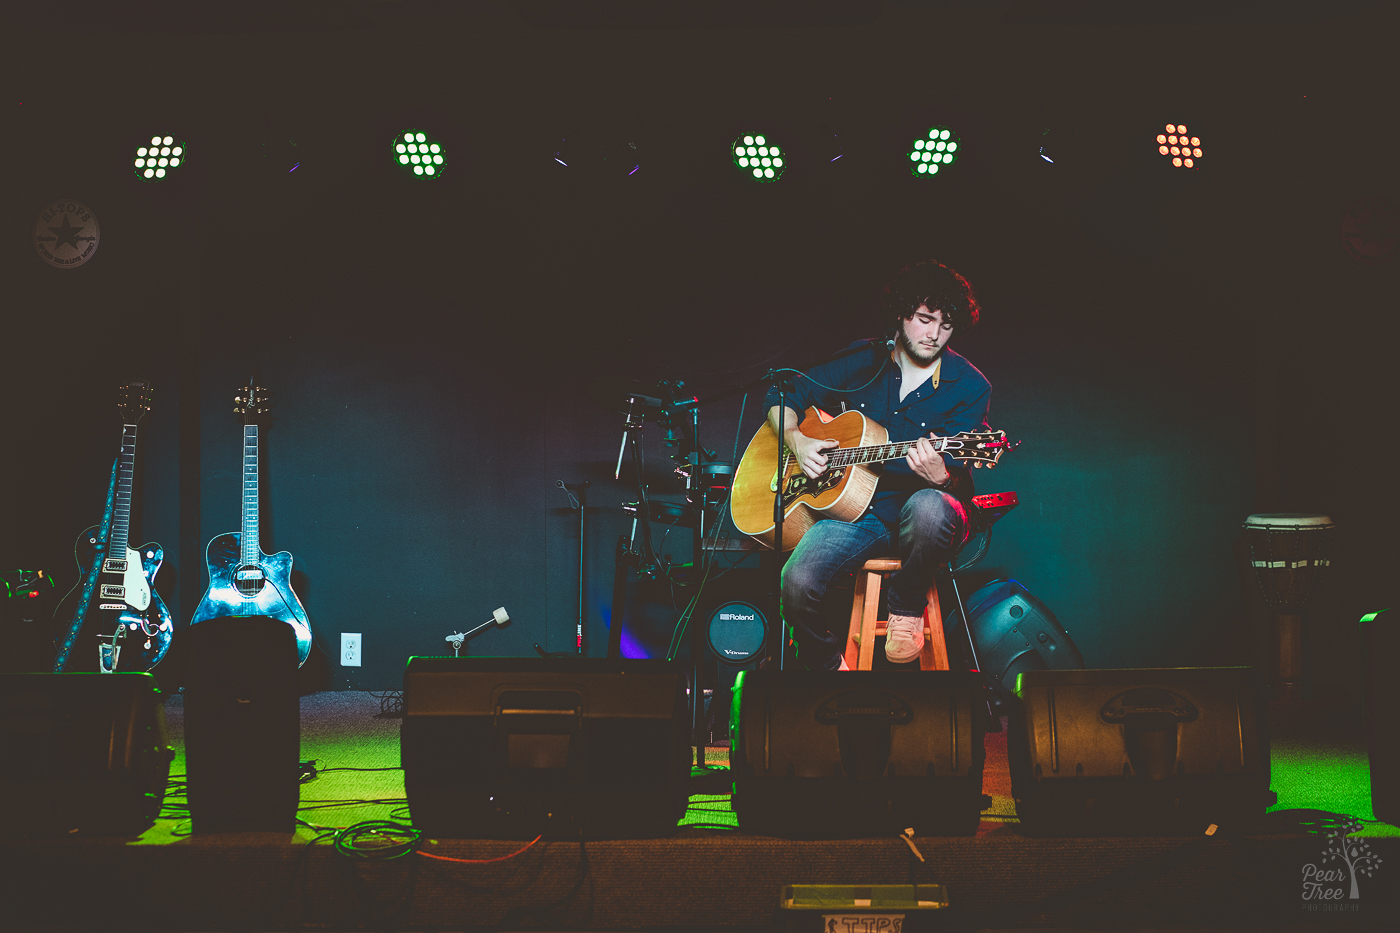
pixel 928 463
pixel 809 451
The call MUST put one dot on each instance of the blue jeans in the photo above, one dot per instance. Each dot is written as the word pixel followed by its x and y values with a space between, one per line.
pixel 933 525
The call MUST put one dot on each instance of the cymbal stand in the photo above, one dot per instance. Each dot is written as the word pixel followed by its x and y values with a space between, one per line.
pixel 627 555
pixel 580 502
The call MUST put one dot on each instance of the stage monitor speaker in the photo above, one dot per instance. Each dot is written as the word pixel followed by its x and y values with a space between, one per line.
pixel 84 753
pixel 1140 752
pixel 1014 632
pixel 845 754
pixel 242 725
pixel 1380 650
pixel 511 748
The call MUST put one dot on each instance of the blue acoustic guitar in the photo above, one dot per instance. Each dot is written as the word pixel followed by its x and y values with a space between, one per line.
pixel 243 581
pixel 118 621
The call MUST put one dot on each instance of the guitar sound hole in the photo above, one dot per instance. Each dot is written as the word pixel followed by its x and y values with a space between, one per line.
pixel 248 581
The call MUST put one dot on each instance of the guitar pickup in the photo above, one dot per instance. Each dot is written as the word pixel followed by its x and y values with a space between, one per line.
pixel 114 565
pixel 252 574
pixel 114 591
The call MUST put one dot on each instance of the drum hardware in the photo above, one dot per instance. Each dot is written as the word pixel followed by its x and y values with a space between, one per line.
pixel 706 483
pixel 456 639
pixel 1289 554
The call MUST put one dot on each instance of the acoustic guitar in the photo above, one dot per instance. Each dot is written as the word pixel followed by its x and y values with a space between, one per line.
pixel 128 628
pixel 243 581
pixel 844 491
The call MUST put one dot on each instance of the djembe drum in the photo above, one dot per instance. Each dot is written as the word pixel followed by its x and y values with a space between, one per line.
pixel 1289 553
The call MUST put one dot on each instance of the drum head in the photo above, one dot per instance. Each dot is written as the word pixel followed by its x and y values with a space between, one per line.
pixel 1288 521
pixel 736 631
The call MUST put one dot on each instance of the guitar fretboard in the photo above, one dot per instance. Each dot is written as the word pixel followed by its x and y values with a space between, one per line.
pixel 881 452
pixel 248 541
pixel 121 504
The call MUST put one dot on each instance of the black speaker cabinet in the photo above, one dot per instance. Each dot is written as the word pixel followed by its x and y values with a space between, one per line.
pixel 84 752
pixel 509 748
pixel 1139 752
pixel 242 725
pixel 1380 648
pixel 843 754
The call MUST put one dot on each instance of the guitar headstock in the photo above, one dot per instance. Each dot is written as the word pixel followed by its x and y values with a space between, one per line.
pixel 253 402
pixel 133 401
pixel 980 448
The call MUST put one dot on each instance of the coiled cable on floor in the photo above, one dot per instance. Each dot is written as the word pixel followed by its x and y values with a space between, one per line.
pixel 377 839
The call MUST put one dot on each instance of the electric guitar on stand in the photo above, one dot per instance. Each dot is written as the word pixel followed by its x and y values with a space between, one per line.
pixel 118 621
pixel 243 581
pixel 847 486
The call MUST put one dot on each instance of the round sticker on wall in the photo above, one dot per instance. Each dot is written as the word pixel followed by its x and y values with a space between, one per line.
pixel 65 234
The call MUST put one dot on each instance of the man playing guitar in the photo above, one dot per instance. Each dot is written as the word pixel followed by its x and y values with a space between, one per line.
pixel 920 508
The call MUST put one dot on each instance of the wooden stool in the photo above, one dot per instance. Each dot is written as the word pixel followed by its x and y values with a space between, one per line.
pixel 865 628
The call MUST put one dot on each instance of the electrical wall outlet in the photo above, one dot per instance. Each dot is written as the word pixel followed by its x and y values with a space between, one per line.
pixel 350 649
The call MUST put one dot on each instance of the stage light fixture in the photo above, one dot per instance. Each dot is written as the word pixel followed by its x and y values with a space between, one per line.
pixel 936 150
pixel 1177 144
pixel 417 152
pixel 758 158
pixel 158 158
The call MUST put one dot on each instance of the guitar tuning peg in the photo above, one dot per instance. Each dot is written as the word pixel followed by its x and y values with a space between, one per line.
pixel 977 464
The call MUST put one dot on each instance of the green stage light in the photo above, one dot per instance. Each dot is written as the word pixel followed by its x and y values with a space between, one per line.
pixel 934 152
pixel 758 159
pixel 158 158
pixel 417 152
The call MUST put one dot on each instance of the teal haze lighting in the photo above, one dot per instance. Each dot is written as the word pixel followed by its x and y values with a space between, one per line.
pixel 417 152
pixel 758 159
pixel 158 158
pixel 934 152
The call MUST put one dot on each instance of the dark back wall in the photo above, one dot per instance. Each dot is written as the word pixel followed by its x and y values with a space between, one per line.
pixel 1169 347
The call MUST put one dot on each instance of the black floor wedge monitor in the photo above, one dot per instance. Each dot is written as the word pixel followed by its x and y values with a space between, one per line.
pixel 844 754
pixel 1149 752
pixel 83 753
pixel 571 748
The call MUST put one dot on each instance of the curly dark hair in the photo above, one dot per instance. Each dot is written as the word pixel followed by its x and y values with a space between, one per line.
pixel 935 285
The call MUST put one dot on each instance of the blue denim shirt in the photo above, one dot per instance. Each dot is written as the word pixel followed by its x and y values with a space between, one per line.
pixel 960 403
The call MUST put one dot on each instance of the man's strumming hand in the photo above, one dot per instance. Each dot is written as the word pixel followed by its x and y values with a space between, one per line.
pixel 810 452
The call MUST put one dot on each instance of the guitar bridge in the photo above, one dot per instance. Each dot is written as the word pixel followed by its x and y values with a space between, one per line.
pixel 113 590
pixel 114 565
